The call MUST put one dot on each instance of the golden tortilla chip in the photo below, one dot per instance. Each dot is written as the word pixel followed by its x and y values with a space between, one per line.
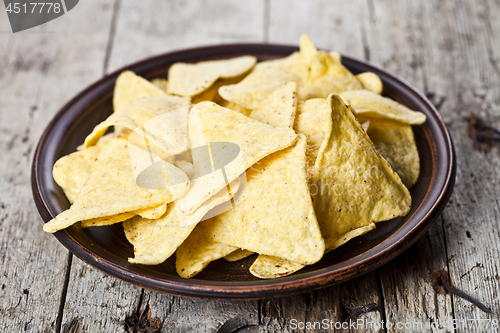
pixel 368 103
pixel 371 81
pixel 334 242
pixel 353 185
pixel 236 107
pixel 197 252
pixel 160 119
pixel 208 123
pixel 326 76
pixel 238 255
pixel 395 142
pixel 269 267
pixel 160 83
pixel 314 120
pixel 107 220
pixel 307 49
pixel 71 172
pixel 130 87
pixel 110 189
pixel 275 215
pixel 156 240
pixel 266 77
pixel 191 79
pixel 278 109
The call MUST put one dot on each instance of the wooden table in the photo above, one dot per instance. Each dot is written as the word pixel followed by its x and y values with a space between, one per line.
pixel 448 49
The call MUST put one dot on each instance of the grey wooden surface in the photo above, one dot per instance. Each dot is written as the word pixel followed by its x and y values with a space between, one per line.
pixel 449 49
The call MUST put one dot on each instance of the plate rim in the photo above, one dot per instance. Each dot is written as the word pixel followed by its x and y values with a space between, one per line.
pixel 246 290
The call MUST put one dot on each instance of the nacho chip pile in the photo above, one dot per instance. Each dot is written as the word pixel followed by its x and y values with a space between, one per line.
pixel 284 159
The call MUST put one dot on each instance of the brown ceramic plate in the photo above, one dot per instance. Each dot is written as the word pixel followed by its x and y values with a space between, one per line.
pixel 106 248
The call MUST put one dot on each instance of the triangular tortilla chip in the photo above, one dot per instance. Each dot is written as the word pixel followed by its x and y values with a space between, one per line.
pixel 354 186
pixel 327 76
pixel 191 79
pixel 71 172
pixel 156 240
pixel 368 103
pixel 209 122
pixel 278 109
pixel 371 81
pixel 266 77
pixel 130 88
pixel 197 252
pixel 269 267
pixel 110 189
pixel 276 216
pixel 395 142
pixel 162 118
pixel 334 242
pixel 314 120
pixel 238 255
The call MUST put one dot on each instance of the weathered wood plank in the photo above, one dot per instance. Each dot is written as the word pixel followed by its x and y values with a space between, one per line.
pixel 142 30
pixel 40 70
pixel 396 36
pixel 146 29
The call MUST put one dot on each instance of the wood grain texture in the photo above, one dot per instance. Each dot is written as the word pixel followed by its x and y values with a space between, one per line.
pixel 33 65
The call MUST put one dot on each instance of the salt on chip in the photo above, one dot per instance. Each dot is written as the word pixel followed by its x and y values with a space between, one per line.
pixel 110 189
pixel 71 172
pixel 371 81
pixel 238 255
pixel 156 240
pixel 354 186
pixel 209 122
pixel 365 102
pixel 278 109
pixel 197 252
pixel 276 217
pixel 266 77
pixel 191 79
pixel 130 87
pixel 269 267
pixel 314 120
pixel 334 242
pixel 395 142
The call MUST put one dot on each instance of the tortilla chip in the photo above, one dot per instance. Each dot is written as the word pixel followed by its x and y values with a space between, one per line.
pixel 209 122
pixel 266 77
pixel 307 49
pixel 197 252
pixel 191 79
pixel 326 76
pixel 336 56
pixel 238 255
pixel 236 107
pixel 161 119
pixel 269 267
pixel 314 120
pixel 71 172
pixel 107 220
pixel 368 103
pixel 160 83
pixel 395 142
pixel 276 216
pixel 129 231
pixel 156 240
pixel 110 189
pixel 332 243
pixel 371 81
pixel 354 186
pixel 278 109
pixel 130 88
